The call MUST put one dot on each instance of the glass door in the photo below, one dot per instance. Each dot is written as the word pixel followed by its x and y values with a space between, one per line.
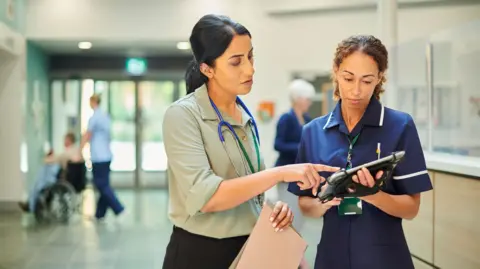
pixel 136 109
pixel 153 99
pixel 122 114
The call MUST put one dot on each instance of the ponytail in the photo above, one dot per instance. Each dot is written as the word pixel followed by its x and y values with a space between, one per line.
pixel 194 79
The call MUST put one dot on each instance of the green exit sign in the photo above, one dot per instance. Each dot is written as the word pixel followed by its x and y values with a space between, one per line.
pixel 136 66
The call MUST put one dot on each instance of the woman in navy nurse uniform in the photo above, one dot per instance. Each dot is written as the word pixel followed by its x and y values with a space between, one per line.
pixel 364 233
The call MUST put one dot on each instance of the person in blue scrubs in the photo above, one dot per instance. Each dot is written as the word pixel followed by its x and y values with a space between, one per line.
pixel 364 233
pixel 98 133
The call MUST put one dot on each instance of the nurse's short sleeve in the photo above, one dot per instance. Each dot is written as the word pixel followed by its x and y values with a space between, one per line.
pixel 187 159
pixel 411 175
pixel 302 157
pixel 92 122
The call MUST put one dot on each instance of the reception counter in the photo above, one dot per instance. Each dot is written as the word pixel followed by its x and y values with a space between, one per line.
pixel 446 232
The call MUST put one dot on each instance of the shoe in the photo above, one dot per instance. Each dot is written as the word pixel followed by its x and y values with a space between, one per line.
pixel 94 219
pixel 24 206
pixel 120 217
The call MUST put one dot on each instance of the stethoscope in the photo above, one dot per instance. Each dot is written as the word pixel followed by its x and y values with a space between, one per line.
pixel 229 126
pixel 222 122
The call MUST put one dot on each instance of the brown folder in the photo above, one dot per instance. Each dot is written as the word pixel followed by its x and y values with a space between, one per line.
pixel 266 248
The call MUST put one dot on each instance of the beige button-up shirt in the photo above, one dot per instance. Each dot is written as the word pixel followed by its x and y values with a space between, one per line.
pixel 198 163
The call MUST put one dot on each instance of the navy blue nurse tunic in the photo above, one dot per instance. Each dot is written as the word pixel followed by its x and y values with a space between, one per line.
pixel 374 239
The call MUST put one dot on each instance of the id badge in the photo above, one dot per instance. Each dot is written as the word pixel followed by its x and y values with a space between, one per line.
pixel 350 206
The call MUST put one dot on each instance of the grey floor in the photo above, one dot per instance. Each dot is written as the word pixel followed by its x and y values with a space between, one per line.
pixel 137 240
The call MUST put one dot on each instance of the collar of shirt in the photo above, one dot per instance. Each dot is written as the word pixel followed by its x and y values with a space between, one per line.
pixel 208 113
pixel 373 116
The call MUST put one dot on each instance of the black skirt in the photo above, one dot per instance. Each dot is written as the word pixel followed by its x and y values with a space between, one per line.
pixel 191 251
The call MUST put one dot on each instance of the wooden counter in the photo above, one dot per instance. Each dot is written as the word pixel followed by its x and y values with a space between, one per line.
pixel 446 232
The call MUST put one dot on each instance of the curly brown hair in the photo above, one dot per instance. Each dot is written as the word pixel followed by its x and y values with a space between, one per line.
pixel 369 45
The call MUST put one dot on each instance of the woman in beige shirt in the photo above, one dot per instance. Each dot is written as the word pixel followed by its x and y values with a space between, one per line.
pixel 216 174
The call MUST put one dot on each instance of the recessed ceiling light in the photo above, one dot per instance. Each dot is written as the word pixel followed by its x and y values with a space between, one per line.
pixel 183 45
pixel 84 45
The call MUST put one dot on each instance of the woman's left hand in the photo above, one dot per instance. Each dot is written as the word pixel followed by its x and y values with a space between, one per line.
pixel 364 177
pixel 281 217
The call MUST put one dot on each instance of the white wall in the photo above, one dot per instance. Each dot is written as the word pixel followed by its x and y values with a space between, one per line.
pixel 282 43
pixel 12 90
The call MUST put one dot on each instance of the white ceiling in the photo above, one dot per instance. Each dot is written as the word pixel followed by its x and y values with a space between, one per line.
pixel 112 47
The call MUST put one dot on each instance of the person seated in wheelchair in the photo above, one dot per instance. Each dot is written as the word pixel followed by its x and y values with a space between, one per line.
pixel 53 169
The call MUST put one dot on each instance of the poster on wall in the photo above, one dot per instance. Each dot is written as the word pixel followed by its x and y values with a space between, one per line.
pixel 266 111
pixel 10 9
pixel 38 110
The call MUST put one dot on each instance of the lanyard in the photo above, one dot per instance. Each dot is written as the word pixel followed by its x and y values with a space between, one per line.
pixel 350 149
pixel 245 154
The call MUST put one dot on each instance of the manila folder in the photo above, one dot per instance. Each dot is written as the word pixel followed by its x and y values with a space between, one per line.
pixel 266 248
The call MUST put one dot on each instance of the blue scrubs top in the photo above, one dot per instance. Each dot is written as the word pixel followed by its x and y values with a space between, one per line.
pixel 99 126
pixel 374 239
pixel 287 139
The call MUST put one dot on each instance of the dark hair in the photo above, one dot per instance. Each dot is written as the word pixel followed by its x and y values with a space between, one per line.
pixel 369 45
pixel 71 136
pixel 210 37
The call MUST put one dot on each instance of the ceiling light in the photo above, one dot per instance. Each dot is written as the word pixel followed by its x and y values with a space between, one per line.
pixel 84 45
pixel 183 45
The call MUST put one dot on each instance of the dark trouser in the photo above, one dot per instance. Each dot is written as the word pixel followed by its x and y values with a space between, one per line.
pixel 101 179
pixel 191 251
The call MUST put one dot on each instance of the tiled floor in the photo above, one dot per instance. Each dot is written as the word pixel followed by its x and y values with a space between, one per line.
pixel 136 241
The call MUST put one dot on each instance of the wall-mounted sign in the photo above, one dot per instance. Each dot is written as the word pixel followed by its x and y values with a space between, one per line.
pixel 136 66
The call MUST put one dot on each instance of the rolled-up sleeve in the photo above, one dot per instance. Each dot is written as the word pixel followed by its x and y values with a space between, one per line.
pixel 411 175
pixel 187 159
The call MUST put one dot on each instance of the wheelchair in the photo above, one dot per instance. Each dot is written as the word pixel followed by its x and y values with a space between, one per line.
pixel 58 202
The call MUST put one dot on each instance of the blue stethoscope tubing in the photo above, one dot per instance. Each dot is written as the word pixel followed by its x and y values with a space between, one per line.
pixel 222 122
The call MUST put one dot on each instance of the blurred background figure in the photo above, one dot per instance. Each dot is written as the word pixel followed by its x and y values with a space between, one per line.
pixel 290 124
pixel 99 133
pixel 287 139
pixel 54 168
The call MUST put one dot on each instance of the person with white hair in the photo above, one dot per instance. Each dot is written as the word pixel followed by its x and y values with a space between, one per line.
pixel 290 124
pixel 287 140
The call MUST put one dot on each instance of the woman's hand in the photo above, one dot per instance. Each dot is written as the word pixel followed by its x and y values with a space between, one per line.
pixel 305 174
pixel 334 202
pixel 364 177
pixel 281 217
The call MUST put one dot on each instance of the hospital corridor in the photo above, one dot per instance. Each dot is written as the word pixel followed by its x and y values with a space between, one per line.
pixel 222 134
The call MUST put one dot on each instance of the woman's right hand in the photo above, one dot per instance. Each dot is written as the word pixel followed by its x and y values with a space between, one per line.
pixel 305 174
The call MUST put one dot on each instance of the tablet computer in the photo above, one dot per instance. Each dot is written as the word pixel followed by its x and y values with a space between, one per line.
pixel 341 185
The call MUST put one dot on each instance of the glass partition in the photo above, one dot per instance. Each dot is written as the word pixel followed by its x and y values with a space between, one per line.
pixel 411 86
pixel 436 81
pixel 456 82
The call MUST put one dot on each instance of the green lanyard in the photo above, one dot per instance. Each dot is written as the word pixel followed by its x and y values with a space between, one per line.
pixel 350 150
pixel 246 154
